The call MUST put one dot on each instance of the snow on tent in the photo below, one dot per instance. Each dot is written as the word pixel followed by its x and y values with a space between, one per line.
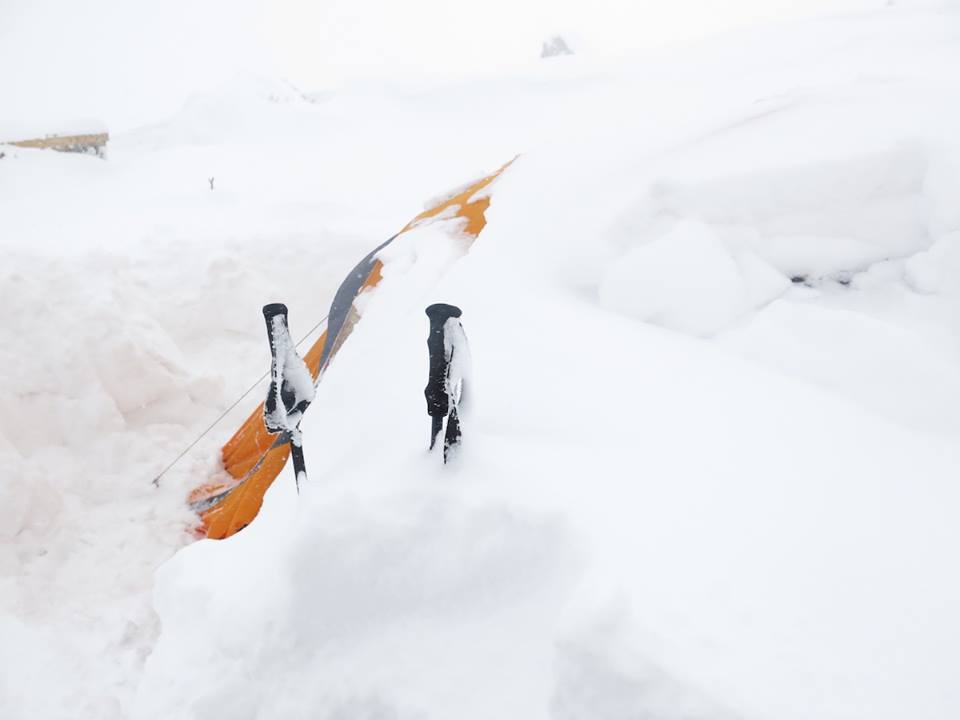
pixel 254 457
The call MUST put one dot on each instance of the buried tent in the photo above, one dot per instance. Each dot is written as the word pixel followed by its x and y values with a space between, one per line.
pixel 253 457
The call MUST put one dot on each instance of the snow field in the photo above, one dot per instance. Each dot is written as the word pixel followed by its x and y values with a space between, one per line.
pixel 689 487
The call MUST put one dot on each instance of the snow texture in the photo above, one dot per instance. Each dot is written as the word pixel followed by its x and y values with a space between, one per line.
pixel 456 349
pixel 290 376
pixel 712 460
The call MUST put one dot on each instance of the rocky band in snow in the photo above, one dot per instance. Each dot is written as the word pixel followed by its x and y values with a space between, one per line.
pixel 449 358
pixel 291 386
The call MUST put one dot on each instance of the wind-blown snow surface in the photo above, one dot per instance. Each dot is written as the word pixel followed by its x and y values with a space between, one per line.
pixel 710 468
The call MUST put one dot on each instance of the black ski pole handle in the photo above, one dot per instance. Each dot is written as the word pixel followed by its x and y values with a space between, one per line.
pixel 436 391
pixel 280 392
pixel 275 316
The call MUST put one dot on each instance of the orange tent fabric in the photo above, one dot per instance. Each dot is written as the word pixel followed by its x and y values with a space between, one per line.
pixel 253 458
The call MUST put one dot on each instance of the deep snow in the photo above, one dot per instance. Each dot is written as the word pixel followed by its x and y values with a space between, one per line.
pixel 710 468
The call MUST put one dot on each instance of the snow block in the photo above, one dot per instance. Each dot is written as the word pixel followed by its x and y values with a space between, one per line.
pixel 688 280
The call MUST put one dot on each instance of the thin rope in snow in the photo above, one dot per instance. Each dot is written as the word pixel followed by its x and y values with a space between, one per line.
pixel 156 480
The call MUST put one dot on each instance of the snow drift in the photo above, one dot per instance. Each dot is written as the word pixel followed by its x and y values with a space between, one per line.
pixel 710 470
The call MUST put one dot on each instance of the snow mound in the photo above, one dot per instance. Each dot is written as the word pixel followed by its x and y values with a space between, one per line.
pixel 851 356
pixel 936 270
pixel 638 523
pixel 839 215
pixel 131 320
pixel 688 280
pixel 760 524
pixel 370 591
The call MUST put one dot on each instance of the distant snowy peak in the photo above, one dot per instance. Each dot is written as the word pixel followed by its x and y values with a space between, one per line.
pixel 555 47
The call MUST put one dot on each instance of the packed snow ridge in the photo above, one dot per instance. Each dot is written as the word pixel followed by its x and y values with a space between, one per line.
pixel 710 465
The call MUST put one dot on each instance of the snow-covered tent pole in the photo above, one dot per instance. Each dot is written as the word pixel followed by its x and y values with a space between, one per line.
pixel 251 458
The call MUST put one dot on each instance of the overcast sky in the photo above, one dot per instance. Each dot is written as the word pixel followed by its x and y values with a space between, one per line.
pixel 130 62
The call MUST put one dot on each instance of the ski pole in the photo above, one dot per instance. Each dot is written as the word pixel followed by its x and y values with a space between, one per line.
pixel 291 387
pixel 296 452
pixel 444 341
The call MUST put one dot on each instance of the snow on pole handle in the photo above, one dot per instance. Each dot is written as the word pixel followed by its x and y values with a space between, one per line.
pixel 291 386
pixel 449 357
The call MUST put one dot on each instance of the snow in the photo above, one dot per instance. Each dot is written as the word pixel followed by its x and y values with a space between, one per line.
pixel 839 349
pixel 710 465
pixel 456 350
pixel 840 214
pixel 685 280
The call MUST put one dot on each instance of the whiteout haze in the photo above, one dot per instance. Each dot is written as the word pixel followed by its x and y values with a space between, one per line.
pixel 711 466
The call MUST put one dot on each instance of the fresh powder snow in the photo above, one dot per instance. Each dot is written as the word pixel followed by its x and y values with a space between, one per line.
pixel 710 462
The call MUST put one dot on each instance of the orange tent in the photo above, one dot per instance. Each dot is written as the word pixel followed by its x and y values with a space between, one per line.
pixel 253 457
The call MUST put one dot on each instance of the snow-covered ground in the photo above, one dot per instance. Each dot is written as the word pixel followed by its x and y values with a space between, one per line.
pixel 710 468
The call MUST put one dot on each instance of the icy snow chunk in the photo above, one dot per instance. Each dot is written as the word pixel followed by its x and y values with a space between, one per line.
pixel 139 366
pixel 688 280
pixel 937 269
pixel 838 214
pixel 763 283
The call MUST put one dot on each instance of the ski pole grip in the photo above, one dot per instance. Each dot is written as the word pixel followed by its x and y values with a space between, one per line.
pixel 438 404
pixel 269 313
pixel 439 313
pixel 274 407
pixel 271 310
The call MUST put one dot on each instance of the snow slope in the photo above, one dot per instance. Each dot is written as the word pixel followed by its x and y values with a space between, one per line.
pixel 709 470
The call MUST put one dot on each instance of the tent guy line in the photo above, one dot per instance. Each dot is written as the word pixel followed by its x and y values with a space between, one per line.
pixel 156 480
pixel 253 457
